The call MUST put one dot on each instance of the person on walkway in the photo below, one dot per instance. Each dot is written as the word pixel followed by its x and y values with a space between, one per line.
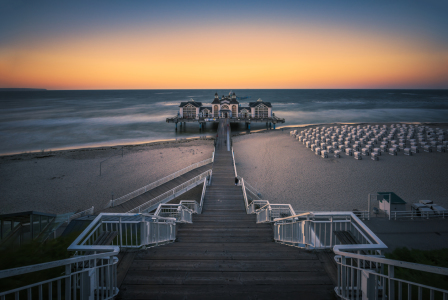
pixel 236 180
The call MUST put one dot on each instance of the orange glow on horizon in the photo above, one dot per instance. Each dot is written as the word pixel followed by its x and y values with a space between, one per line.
pixel 230 57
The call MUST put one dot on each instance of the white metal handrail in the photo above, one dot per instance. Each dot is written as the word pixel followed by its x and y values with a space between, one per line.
pixel 83 213
pixel 359 273
pixel 246 204
pixel 394 215
pixel 360 266
pixel 234 167
pixel 170 193
pixel 204 187
pixel 131 231
pixel 180 212
pixel 157 183
pixel 251 189
pixel 317 230
pixel 191 204
pixel 87 277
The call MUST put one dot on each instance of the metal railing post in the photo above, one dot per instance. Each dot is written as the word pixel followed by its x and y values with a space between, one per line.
pixel 391 274
pixel 68 271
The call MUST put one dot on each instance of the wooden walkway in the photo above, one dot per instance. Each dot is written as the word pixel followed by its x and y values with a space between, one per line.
pixel 224 254
pixel 151 194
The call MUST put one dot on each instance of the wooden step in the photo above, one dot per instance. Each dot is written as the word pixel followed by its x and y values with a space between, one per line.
pixel 220 292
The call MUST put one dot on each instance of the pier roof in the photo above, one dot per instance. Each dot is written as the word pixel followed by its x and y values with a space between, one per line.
pixel 253 104
pixel 194 103
pixel 395 199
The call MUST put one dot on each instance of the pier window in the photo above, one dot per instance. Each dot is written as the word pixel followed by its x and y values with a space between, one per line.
pixel 261 111
pixel 226 113
pixel 234 111
pixel 189 111
pixel 205 113
pixel 216 110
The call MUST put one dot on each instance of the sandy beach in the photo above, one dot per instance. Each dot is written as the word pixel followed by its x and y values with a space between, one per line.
pixel 278 165
pixel 69 181
pixel 285 171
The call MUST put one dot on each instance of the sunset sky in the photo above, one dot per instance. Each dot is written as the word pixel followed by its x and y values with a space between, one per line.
pixel 226 44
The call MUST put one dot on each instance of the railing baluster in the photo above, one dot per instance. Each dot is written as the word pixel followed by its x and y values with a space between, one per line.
pixel 50 290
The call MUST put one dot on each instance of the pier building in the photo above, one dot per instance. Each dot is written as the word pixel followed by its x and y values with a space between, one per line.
pixel 226 107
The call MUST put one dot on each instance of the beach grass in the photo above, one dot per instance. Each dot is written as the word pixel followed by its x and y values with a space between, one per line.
pixel 437 258
pixel 34 253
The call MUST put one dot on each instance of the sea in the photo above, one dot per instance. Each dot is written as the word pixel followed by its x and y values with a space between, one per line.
pixel 32 121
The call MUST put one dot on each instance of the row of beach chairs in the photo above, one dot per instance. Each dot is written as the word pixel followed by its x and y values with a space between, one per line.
pixel 372 140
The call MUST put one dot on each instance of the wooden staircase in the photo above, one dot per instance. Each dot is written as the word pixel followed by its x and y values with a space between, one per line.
pixel 224 254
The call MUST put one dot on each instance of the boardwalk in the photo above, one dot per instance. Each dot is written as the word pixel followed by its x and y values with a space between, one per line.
pixel 151 194
pixel 224 254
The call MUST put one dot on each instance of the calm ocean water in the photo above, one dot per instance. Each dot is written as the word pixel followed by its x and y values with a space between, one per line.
pixel 51 120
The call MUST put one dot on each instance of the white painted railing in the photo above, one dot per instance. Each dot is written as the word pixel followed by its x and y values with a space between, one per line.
pixel 361 266
pixel 317 230
pixel 234 167
pixel 204 187
pixel 253 194
pixel 157 183
pixel 83 213
pixel 394 215
pixel 171 194
pixel 191 204
pixel 129 231
pixel 180 212
pixel 246 202
pixel 365 277
pixel 85 277
pixel 362 273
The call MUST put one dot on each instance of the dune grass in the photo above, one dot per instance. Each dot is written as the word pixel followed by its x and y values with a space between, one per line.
pixel 31 254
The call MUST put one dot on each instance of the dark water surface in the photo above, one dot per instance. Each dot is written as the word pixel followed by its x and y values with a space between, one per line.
pixel 51 120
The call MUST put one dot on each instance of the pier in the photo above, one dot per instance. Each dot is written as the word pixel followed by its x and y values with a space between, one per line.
pixel 225 108
pixel 224 253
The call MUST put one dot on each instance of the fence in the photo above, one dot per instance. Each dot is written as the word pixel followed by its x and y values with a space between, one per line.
pixel 83 213
pixel 318 230
pixel 157 183
pixel 84 277
pixel 204 187
pixel 362 273
pixel 171 194
pixel 254 194
pixel 394 215
pixel 125 231
pixel 180 212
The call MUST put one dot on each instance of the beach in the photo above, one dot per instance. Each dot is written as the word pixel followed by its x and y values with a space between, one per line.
pixel 280 167
pixel 69 181
pixel 284 171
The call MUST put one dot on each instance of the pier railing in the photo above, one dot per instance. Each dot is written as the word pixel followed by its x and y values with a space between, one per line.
pixel 157 183
pixel 124 231
pixel 84 277
pixel 363 276
pixel 319 230
pixel 253 193
pixel 171 194
pixel 204 187
pixel 92 272
pixel 394 215
pixel 180 212
pixel 80 214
